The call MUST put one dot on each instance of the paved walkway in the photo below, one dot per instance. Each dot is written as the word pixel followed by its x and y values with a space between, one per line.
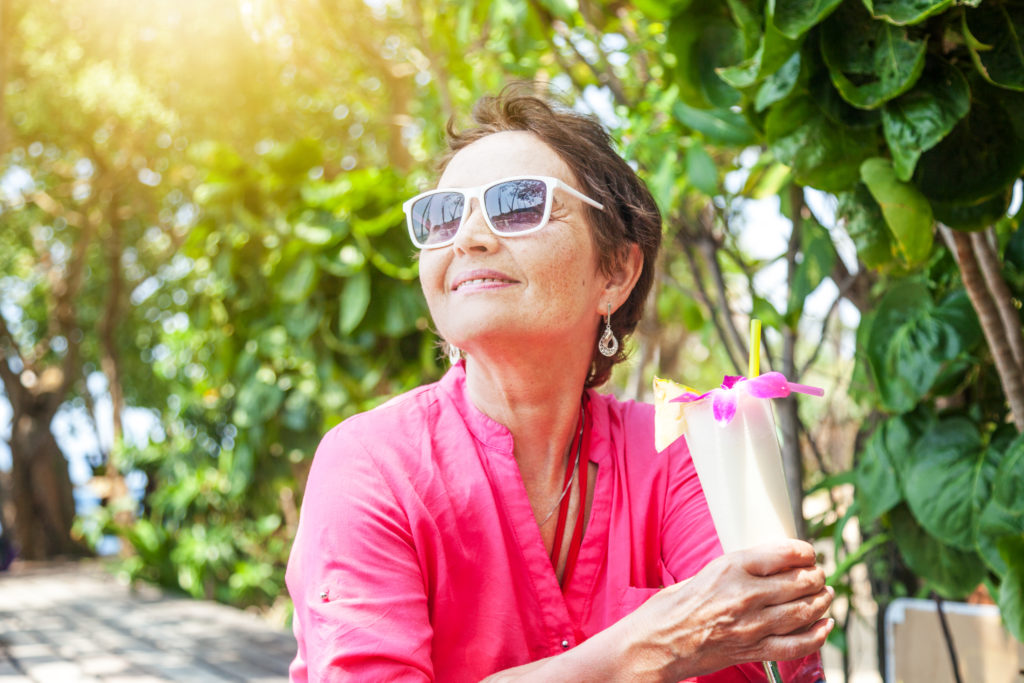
pixel 74 622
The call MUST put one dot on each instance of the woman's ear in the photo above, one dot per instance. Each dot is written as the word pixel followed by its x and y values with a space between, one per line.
pixel 623 278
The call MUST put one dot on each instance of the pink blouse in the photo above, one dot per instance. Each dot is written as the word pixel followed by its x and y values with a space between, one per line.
pixel 418 557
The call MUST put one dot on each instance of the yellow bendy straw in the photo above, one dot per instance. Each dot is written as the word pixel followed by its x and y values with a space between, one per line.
pixel 754 362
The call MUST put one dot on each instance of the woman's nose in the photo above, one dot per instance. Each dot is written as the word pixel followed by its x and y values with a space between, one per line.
pixel 474 234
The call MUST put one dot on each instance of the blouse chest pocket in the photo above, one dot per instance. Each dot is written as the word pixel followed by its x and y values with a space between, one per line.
pixel 632 597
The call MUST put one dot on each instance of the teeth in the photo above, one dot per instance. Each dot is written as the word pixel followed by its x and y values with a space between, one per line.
pixel 480 280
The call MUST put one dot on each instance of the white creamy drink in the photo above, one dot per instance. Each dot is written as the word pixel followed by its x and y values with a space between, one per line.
pixel 739 464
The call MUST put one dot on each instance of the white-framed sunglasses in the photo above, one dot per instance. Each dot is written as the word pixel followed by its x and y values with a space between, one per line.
pixel 511 207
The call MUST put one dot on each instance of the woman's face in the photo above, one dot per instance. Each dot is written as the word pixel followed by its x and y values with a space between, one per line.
pixel 541 288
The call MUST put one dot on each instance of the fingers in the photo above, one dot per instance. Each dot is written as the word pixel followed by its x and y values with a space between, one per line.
pixel 795 616
pixel 796 645
pixel 793 584
pixel 771 558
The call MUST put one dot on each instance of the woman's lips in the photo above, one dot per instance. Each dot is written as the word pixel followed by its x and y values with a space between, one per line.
pixel 482 279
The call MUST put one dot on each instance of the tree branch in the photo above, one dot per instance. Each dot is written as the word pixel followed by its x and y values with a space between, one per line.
pixel 605 77
pixel 824 327
pixel 991 325
pixel 991 270
pixel 709 249
pixel 682 239
pixel 11 381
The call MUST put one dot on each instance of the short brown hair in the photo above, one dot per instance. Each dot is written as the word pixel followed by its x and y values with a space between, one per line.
pixel 631 215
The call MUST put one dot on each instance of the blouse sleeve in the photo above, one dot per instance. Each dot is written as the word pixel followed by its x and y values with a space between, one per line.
pixel 360 601
pixel 689 540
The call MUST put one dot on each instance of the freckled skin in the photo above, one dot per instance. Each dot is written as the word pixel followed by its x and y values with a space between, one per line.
pixel 558 293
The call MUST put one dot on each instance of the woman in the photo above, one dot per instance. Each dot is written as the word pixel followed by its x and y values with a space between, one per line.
pixel 508 521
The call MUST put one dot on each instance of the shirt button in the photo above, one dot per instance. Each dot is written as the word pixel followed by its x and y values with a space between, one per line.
pixel 565 644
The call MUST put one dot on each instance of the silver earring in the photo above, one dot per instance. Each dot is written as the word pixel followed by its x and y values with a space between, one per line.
pixel 454 354
pixel 608 345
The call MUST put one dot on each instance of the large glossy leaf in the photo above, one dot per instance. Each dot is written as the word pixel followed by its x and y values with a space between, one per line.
pixel 1011 590
pixel 702 43
pixel 918 120
pixel 878 488
pixel 819 83
pixel 870 61
pixel 773 51
pixel 907 213
pixel 779 84
pixel 995 33
pixel 795 17
pixel 978 158
pixel 300 279
pixel 903 12
pixel 701 169
pixel 949 480
pixel 974 215
pixel 1003 514
pixel 866 226
pixel 913 343
pixel 723 126
pixel 822 154
pixel 355 299
pixel 954 573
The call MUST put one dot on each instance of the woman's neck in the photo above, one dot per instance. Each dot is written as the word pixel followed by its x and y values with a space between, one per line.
pixel 539 402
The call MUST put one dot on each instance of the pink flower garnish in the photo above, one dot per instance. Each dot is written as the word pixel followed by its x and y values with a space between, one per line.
pixel 768 385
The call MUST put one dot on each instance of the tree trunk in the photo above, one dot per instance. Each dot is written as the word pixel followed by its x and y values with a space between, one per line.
pixel 995 332
pixel 786 408
pixel 44 506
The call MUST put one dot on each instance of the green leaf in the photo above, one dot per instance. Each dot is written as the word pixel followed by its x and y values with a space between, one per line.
pixel 903 12
pixel 1003 514
pixel 773 51
pixel 975 215
pixel 300 279
pixel 912 343
pixel 919 119
pixel 794 17
pixel 866 226
pixel 954 573
pixel 870 61
pixel 907 213
pixel 949 480
pixel 878 487
pixel 824 92
pixel 995 33
pixel 978 159
pixel 722 126
pixel 821 154
pixel 355 299
pixel 1011 590
pixel 701 169
pixel 702 43
pixel 819 257
pixel 779 84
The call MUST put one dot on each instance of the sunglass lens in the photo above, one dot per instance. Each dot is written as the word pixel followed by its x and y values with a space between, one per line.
pixel 516 205
pixel 436 217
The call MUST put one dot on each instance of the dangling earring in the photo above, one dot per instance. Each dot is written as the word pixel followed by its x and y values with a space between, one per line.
pixel 454 354
pixel 608 345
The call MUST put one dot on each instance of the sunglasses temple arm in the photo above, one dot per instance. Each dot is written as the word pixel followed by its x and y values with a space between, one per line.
pixel 579 195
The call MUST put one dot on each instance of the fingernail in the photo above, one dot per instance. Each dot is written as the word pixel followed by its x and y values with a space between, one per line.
pixel 831 591
pixel 831 624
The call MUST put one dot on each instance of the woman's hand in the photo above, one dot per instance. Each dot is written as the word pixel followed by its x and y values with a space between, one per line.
pixel 765 603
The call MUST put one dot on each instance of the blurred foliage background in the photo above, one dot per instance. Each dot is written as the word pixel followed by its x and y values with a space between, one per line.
pixel 201 235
